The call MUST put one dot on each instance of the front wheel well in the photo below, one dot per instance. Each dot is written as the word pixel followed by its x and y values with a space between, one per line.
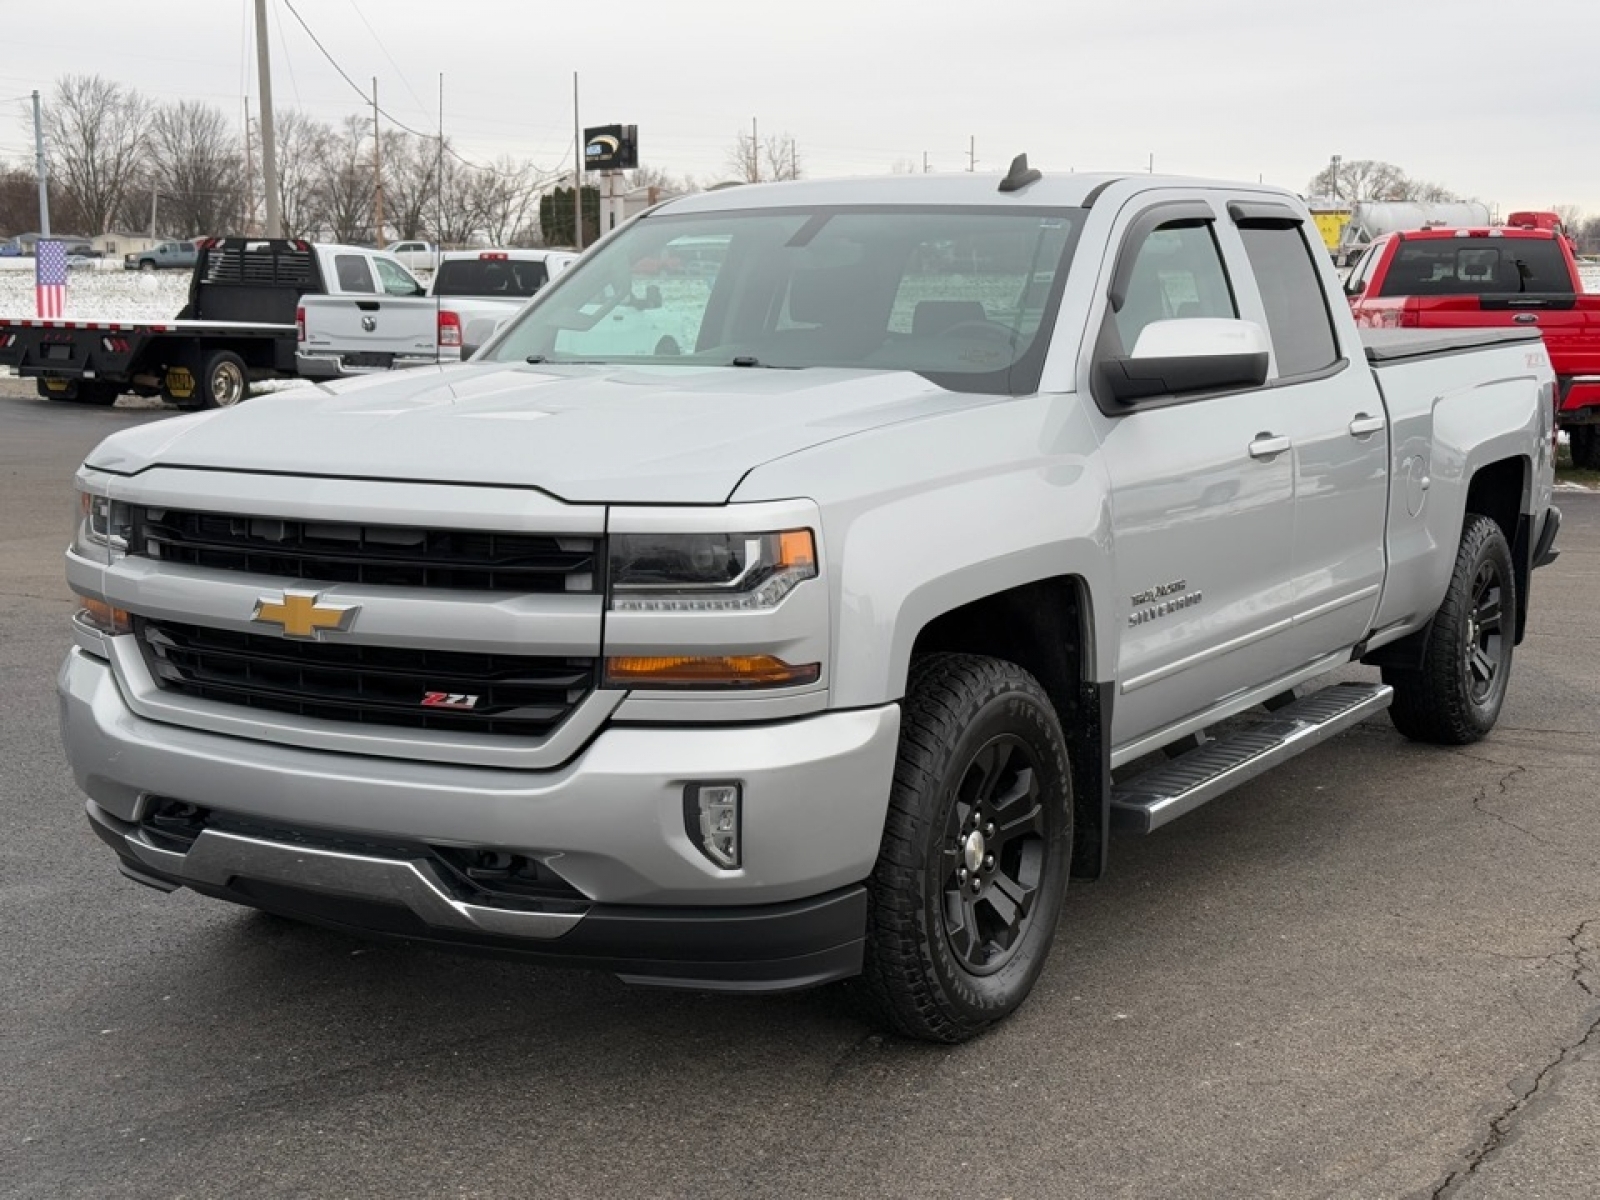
pixel 1046 628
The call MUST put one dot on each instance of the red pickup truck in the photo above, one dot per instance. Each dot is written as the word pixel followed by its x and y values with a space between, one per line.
pixel 1486 278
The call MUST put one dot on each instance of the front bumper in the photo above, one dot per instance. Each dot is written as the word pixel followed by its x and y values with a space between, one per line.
pixel 356 841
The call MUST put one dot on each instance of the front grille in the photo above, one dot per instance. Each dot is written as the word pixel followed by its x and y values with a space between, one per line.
pixel 386 555
pixel 510 694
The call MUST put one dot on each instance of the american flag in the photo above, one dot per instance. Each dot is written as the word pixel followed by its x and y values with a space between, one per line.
pixel 50 277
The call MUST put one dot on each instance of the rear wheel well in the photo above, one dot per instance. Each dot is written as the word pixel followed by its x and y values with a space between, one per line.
pixel 1496 492
pixel 1046 628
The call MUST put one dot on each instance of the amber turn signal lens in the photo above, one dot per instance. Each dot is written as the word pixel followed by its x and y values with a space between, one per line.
pixel 738 670
pixel 105 618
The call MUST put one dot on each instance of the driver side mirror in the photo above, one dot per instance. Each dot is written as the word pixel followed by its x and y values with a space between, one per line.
pixel 1355 287
pixel 1187 355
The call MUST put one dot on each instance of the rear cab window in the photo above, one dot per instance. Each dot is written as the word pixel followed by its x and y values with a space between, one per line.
pixel 1471 266
pixel 353 273
pixel 510 278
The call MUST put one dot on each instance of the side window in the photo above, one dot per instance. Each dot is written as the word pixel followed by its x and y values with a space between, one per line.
pixel 1178 272
pixel 354 276
pixel 1296 304
pixel 394 279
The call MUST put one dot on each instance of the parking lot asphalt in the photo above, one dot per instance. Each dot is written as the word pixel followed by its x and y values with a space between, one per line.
pixel 1371 973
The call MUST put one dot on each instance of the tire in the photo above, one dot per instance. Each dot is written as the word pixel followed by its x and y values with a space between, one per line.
pixel 146 265
pixel 1456 696
pixel 225 380
pixel 960 914
pixel 1584 443
pixel 98 391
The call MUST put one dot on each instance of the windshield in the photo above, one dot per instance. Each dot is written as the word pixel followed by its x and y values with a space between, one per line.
pixel 489 277
pixel 962 296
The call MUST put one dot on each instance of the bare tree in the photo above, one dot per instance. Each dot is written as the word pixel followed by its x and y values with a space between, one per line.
pixel 410 183
pixel 304 147
pixel 458 215
pixel 198 166
pixel 774 157
pixel 1570 216
pixel 1365 179
pixel 344 187
pixel 95 134
pixel 505 195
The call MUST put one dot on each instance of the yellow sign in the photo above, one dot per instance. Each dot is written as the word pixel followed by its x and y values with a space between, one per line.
pixel 302 616
pixel 180 382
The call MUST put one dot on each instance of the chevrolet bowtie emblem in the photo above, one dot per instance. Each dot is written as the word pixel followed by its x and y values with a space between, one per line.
pixel 302 616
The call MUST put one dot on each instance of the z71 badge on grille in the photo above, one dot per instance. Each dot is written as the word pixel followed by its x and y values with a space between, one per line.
pixel 448 700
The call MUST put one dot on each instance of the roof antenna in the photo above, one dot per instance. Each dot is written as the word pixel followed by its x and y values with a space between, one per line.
pixel 1020 175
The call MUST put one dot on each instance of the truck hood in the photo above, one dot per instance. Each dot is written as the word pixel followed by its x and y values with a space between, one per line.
pixel 655 435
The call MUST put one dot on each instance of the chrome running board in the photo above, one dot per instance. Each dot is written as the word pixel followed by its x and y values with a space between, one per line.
pixel 1167 792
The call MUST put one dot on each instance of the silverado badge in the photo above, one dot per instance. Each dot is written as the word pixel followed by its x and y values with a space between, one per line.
pixel 302 614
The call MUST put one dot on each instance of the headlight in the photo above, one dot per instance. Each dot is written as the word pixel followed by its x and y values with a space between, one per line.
pixel 708 572
pixel 102 529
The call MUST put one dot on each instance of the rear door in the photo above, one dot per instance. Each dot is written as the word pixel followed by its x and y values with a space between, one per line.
pixel 1202 491
pixel 1330 409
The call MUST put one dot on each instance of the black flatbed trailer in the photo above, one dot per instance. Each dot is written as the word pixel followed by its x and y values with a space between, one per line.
pixel 238 326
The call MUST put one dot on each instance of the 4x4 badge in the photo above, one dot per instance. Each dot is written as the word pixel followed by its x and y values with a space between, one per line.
pixel 303 615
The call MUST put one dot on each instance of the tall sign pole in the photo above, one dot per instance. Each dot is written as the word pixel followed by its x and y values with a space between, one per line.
pixel 577 168
pixel 41 168
pixel 269 144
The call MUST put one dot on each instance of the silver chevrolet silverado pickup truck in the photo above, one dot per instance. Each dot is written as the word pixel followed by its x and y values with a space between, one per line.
pixel 817 614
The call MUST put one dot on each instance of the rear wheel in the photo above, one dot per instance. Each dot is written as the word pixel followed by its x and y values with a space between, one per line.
pixel 224 382
pixel 1584 442
pixel 971 874
pixel 1456 696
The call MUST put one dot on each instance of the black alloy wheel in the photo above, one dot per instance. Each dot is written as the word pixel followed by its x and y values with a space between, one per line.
pixel 993 858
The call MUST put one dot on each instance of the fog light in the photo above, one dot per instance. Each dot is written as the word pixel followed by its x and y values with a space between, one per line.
pixel 711 819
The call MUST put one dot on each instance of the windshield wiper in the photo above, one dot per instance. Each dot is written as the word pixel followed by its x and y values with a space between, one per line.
pixel 745 360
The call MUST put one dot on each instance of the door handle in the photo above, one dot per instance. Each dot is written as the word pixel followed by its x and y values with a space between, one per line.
pixel 367 305
pixel 1365 426
pixel 1268 446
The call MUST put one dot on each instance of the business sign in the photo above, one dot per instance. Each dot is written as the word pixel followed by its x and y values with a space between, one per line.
pixel 611 148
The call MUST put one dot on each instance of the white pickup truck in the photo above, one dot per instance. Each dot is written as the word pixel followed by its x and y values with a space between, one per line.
pixel 342 336
pixel 962 519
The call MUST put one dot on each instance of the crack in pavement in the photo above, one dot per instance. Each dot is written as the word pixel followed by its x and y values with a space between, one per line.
pixel 1480 802
pixel 1579 966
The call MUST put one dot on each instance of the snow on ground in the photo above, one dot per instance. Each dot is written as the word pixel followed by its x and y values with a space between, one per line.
pixel 101 295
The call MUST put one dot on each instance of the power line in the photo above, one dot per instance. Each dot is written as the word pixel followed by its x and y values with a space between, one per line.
pixel 393 120
pixel 387 55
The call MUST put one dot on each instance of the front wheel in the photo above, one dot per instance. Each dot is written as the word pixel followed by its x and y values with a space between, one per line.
pixel 1455 697
pixel 147 265
pixel 971 874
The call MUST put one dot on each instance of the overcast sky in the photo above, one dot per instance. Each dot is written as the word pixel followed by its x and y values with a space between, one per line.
pixel 1458 92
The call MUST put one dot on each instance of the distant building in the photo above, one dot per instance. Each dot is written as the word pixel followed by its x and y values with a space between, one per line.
pixel 114 244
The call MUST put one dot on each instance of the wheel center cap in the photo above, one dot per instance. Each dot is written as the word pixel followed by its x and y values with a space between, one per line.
pixel 972 850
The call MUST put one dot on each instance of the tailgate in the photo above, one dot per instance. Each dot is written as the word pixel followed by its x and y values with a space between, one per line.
pixel 370 331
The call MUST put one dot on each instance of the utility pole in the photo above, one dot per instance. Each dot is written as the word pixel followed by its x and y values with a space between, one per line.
pixel 40 168
pixel 377 170
pixel 755 154
pixel 577 169
pixel 153 195
pixel 1150 168
pixel 972 153
pixel 249 174
pixel 924 162
pixel 269 147
pixel 438 170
